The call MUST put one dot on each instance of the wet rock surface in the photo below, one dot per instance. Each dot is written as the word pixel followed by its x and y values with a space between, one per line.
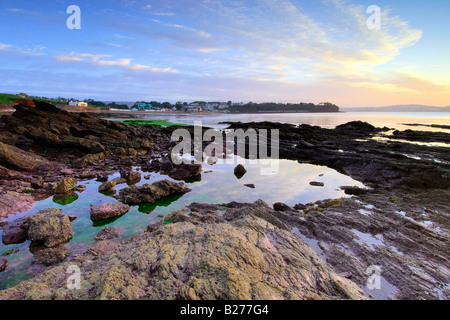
pixel 149 193
pixel 15 231
pixel 108 211
pixel 50 256
pixel 209 256
pixel 353 149
pixel 43 145
pixel 234 251
pixel 11 202
pixel 108 233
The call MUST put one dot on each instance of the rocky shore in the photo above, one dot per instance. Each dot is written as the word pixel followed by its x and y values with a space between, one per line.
pixel 321 250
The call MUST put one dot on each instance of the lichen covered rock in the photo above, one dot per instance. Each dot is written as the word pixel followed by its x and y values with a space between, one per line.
pixel 203 255
pixel 150 193
pixel 50 227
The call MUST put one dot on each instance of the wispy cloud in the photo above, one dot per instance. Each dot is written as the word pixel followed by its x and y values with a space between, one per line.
pixel 100 60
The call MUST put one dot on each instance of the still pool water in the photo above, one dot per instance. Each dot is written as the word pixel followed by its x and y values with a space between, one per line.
pixel 289 185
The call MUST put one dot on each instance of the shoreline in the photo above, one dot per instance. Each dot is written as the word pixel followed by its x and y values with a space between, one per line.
pixel 383 224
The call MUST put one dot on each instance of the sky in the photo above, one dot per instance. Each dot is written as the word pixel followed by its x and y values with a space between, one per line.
pixel 256 50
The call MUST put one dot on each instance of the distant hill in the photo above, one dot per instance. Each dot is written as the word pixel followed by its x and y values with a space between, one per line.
pixel 399 108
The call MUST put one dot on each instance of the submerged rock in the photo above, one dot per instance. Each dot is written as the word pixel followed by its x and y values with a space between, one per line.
pixel 241 255
pixel 108 211
pixel 65 199
pixel 108 233
pixel 50 226
pixel 150 193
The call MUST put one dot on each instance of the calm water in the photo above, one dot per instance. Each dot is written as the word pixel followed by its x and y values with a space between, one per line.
pixel 326 120
pixel 289 185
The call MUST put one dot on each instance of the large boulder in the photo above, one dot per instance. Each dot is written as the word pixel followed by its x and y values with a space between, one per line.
pixel 66 185
pixel 108 211
pixel 150 193
pixel 49 227
pixel 15 232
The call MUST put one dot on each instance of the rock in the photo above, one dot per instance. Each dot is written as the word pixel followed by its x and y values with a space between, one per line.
pixel 12 202
pixel 107 186
pixel 80 188
pixel 108 211
pixel 281 207
pixel 300 206
pixel 244 257
pixel 357 126
pixel 185 171
pixel 49 226
pixel 355 191
pixel 15 158
pixel 72 218
pixel 166 165
pixel 150 193
pixel 147 177
pixel 15 232
pixel 118 181
pixel 37 183
pixel 65 186
pixel 317 184
pixel 3 264
pixel 251 186
pixel 346 275
pixel 133 177
pixel 67 172
pixel 108 233
pixel 50 256
pixel 239 171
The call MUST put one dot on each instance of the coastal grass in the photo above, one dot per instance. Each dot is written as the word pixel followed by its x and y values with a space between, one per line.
pixel 8 98
pixel 158 123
